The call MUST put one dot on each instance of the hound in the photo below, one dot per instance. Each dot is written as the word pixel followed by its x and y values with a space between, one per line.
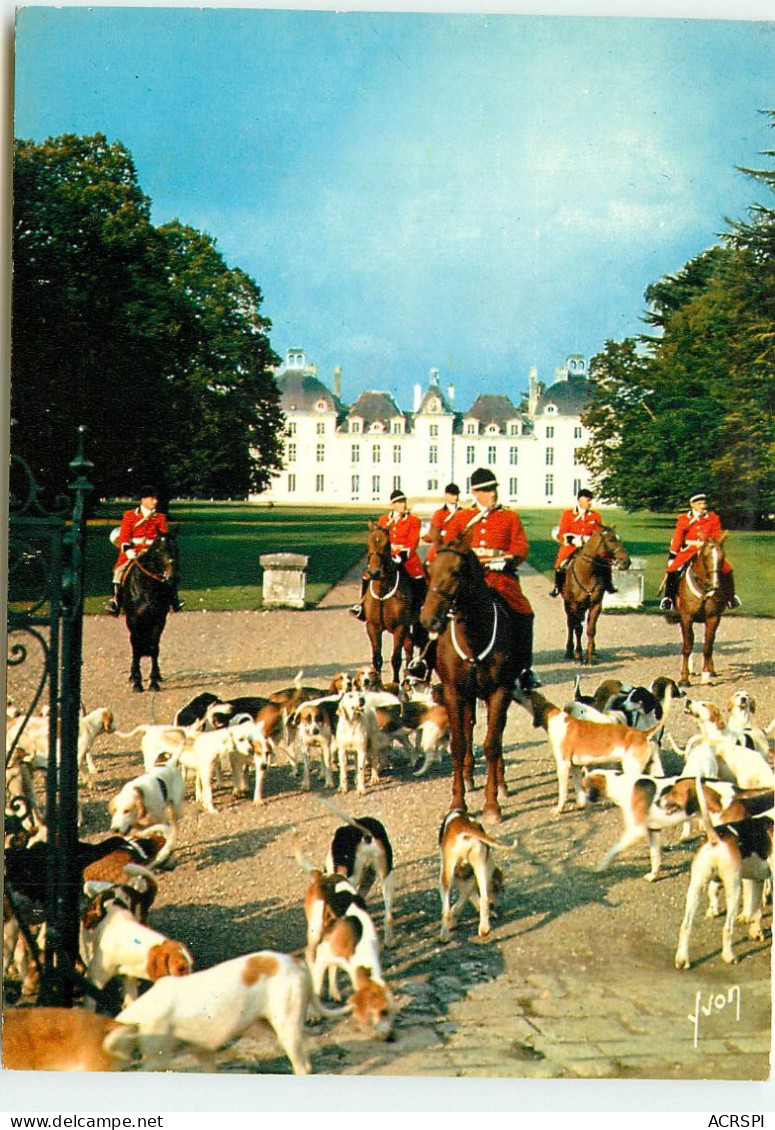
pixel 207 749
pixel 341 935
pixel 208 1010
pixel 747 767
pixel 740 855
pixel 466 864
pixel 741 709
pixel 575 742
pixel 34 736
pixel 312 723
pixel 357 732
pixel 159 743
pixel 361 851
pixel 153 798
pixel 64 1039
pixel 114 943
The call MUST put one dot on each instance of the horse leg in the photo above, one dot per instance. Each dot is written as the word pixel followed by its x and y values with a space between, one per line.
pixel 592 618
pixel 135 673
pixel 578 631
pixel 569 640
pixel 687 634
pixel 401 643
pixel 468 760
pixel 495 785
pixel 375 639
pixel 155 678
pixel 711 627
pixel 459 731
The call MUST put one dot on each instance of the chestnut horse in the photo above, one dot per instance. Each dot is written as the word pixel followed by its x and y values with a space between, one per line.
pixel 701 598
pixel 583 589
pixel 480 652
pixel 389 603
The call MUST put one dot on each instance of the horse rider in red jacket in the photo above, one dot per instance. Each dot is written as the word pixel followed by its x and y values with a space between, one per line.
pixel 694 527
pixel 403 528
pixel 138 530
pixel 577 525
pixel 441 518
pixel 498 539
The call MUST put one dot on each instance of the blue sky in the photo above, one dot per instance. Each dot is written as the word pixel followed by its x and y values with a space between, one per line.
pixel 477 193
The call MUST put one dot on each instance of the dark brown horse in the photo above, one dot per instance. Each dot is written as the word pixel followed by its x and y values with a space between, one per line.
pixel 389 603
pixel 146 599
pixel 481 649
pixel 701 598
pixel 583 588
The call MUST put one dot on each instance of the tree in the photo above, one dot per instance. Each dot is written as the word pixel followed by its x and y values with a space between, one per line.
pixel 144 334
pixel 692 404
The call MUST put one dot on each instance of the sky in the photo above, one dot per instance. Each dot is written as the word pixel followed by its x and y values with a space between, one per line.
pixel 469 192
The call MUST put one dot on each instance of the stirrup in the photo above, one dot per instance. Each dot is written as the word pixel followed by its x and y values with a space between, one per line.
pixel 529 681
pixel 357 611
pixel 112 606
pixel 734 602
pixel 178 604
pixel 666 604
pixel 417 669
pixel 555 592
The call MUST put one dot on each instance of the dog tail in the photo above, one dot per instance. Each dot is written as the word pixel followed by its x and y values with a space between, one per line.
pixel 481 835
pixel 344 816
pixel 303 863
pixel 130 733
pixel 710 831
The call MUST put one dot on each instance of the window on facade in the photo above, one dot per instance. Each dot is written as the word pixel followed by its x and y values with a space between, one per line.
pixel 355 453
pixel 355 427
pixel 396 452
pixel 320 453
pixel 291 452
pixel 433 453
pixel 513 456
pixel 434 429
pixel 576 456
pixel 355 484
pixel 375 453
pixel 468 484
pixel 550 432
pixel 433 484
pixel 396 427
pixel 550 457
pixel 291 484
pixel 292 429
pixel 320 484
pixel 576 487
pixel 375 484
pixel 470 453
pixel 321 428
pixel 512 488
pixel 470 429
pixel 514 429
pixel 396 482
pixel 549 486
pixel 491 454
pixel 578 432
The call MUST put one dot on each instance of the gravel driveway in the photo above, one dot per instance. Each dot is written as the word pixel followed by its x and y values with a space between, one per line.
pixel 577 980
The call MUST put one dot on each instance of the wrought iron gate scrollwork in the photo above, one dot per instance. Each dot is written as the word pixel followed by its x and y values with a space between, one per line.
pixel 46 563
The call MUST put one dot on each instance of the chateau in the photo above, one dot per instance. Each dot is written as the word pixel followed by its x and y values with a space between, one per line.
pixel 337 454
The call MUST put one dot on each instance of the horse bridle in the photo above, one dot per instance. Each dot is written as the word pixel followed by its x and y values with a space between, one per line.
pixel 712 580
pixel 154 576
pixel 582 556
pixel 377 576
pixel 452 612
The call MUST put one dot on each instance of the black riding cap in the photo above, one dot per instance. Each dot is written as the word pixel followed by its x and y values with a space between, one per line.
pixel 585 493
pixel 698 496
pixel 397 496
pixel 452 488
pixel 483 479
pixel 149 491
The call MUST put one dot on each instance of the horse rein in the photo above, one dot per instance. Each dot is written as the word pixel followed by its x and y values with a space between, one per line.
pixel 712 582
pixel 452 617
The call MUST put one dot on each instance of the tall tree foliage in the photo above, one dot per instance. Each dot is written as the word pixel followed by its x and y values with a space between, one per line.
pixel 692 404
pixel 142 333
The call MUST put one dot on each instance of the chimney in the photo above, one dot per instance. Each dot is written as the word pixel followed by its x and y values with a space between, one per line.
pixel 532 401
pixel 337 382
pixel 451 394
pixel 417 398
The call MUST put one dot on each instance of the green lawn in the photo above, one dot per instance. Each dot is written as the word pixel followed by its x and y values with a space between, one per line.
pixel 221 543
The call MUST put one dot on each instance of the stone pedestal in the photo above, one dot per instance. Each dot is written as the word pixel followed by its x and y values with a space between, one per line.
pixel 630 586
pixel 285 580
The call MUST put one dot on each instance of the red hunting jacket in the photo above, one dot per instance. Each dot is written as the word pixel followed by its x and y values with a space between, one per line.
pixel 404 531
pixel 435 534
pixel 495 533
pixel 575 523
pixel 690 529
pixel 139 531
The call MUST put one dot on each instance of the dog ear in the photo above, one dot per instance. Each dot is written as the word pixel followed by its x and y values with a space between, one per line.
pixel 752 703
pixel 96 910
pixel 142 811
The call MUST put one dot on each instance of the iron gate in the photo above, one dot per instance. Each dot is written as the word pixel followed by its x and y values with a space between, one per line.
pixel 45 623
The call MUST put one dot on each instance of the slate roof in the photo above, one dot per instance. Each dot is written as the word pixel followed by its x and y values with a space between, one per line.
pixel 568 397
pixel 372 406
pixel 301 392
pixel 493 409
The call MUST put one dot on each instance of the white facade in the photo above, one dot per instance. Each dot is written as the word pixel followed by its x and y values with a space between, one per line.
pixel 337 454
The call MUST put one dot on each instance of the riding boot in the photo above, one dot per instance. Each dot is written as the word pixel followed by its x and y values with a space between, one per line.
pixel 671 591
pixel 357 609
pixel 728 584
pixel 559 580
pixel 419 590
pixel 527 680
pixel 604 572
pixel 113 606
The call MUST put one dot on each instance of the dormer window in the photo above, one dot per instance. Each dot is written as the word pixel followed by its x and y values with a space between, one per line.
pixel 550 410
pixel 321 406
pixel 471 429
pixel 355 426
pixel 514 429
pixel 397 427
pixel 492 429
pixel 434 405
pixel 376 428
